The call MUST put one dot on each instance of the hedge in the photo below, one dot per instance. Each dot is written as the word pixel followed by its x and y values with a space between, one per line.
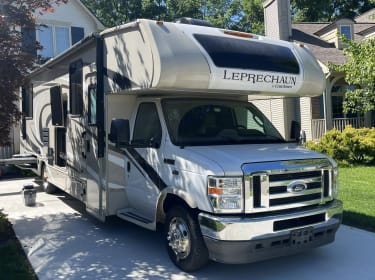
pixel 350 147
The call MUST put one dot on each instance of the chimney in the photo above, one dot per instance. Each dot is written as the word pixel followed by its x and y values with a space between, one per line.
pixel 277 19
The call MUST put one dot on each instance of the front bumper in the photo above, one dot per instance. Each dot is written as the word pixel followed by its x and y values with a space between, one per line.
pixel 248 239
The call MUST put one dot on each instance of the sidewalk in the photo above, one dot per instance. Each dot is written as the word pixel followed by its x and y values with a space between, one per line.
pixel 63 243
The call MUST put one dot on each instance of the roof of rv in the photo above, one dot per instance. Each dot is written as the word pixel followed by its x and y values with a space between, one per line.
pixel 175 56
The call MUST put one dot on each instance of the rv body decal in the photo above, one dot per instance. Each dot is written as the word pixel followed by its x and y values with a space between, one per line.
pixel 134 156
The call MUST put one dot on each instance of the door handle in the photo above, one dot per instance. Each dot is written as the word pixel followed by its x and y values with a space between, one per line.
pixel 87 146
pixel 83 146
pixel 128 166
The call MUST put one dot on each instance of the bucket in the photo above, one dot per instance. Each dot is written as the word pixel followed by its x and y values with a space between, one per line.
pixel 29 195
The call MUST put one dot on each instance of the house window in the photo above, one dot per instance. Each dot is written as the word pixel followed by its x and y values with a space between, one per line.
pixel 56 39
pixel 337 109
pixel 346 31
pixel 45 37
pixel 62 41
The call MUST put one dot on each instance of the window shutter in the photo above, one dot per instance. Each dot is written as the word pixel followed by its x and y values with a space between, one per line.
pixel 29 40
pixel 77 34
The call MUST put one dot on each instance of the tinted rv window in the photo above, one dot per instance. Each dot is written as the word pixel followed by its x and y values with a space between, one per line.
pixel 57 106
pixel 27 101
pixel 92 105
pixel 246 54
pixel 200 122
pixel 147 127
pixel 75 88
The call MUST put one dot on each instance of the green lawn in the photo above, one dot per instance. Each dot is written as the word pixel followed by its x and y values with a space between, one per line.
pixel 13 262
pixel 357 191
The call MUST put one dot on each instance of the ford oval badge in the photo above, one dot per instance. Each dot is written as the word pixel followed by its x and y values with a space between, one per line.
pixel 296 187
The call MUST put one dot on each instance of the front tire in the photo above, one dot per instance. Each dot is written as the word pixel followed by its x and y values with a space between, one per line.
pixel 47 187
pixel 184 240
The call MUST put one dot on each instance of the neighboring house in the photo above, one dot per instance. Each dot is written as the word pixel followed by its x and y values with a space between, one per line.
pixel 322 39
pixel 317 114
pixel 56 32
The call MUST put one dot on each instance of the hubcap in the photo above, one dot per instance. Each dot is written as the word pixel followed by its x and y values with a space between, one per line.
pixel 179 238
pixel 45 177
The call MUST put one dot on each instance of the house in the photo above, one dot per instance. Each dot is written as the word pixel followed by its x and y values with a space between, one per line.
pixel 321 113
pixel 56 32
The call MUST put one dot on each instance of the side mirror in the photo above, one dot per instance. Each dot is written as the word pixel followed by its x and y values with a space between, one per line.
pixel 295 130
pixel 302 137
pixel 119 132
pixel 297 134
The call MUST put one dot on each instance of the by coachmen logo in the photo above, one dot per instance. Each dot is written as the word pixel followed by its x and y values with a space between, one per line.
pixel 296 187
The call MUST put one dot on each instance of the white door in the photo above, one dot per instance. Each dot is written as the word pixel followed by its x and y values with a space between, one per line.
pixel 143 164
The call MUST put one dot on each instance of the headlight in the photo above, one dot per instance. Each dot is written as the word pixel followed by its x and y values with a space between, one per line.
pixel 335 173
pixel 225 194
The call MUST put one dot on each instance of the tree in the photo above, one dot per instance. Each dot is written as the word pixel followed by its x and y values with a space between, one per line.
pixel 16 17
pixel 253 16
pixel 323 10
pixel 188 8
pixel 360 74
pixel 223 13
pixel 116 12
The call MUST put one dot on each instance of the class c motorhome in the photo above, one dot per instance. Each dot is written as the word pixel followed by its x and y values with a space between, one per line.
pixel 150 121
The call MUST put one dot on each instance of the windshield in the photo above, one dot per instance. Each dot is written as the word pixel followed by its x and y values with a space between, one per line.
pixel 196 122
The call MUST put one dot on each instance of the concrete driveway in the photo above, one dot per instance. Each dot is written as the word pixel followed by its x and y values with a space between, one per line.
pixel 63 243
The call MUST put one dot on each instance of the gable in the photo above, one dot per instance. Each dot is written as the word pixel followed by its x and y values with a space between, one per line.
pixel 66 25
pixel 73 13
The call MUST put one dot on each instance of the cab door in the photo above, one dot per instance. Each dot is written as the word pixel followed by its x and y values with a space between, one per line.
pixel 143 163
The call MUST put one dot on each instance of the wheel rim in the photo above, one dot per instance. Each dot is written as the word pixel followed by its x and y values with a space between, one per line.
pixel 179 238
pixel 44 178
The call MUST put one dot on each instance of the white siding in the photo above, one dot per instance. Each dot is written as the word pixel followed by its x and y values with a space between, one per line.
pixel 274 110
pixel 305 105
pixel 290 110
pixel 70 14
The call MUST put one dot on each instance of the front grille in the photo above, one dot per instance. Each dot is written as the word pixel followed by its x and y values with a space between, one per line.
pixel 311 180
pixel 290 184
pixel 291 200
pixel 294 176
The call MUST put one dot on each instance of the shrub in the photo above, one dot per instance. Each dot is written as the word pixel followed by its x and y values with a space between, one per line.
pixel 350 147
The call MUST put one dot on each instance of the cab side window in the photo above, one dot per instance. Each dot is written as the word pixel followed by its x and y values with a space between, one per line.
pixel 147 129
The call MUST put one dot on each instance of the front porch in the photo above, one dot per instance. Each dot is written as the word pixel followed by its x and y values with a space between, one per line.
pixel 318 126
pixel 327 110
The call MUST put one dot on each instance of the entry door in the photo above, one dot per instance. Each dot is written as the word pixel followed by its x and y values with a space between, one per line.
pixel 143 182
pixel 93 169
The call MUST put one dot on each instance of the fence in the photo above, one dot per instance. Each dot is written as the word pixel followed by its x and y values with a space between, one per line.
pixel 318 125
pixel 6 151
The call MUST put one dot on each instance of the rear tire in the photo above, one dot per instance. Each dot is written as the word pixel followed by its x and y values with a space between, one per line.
pixel 47 187
pixel 184 241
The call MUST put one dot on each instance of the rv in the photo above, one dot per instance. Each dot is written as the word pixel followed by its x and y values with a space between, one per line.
pixel 150 122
